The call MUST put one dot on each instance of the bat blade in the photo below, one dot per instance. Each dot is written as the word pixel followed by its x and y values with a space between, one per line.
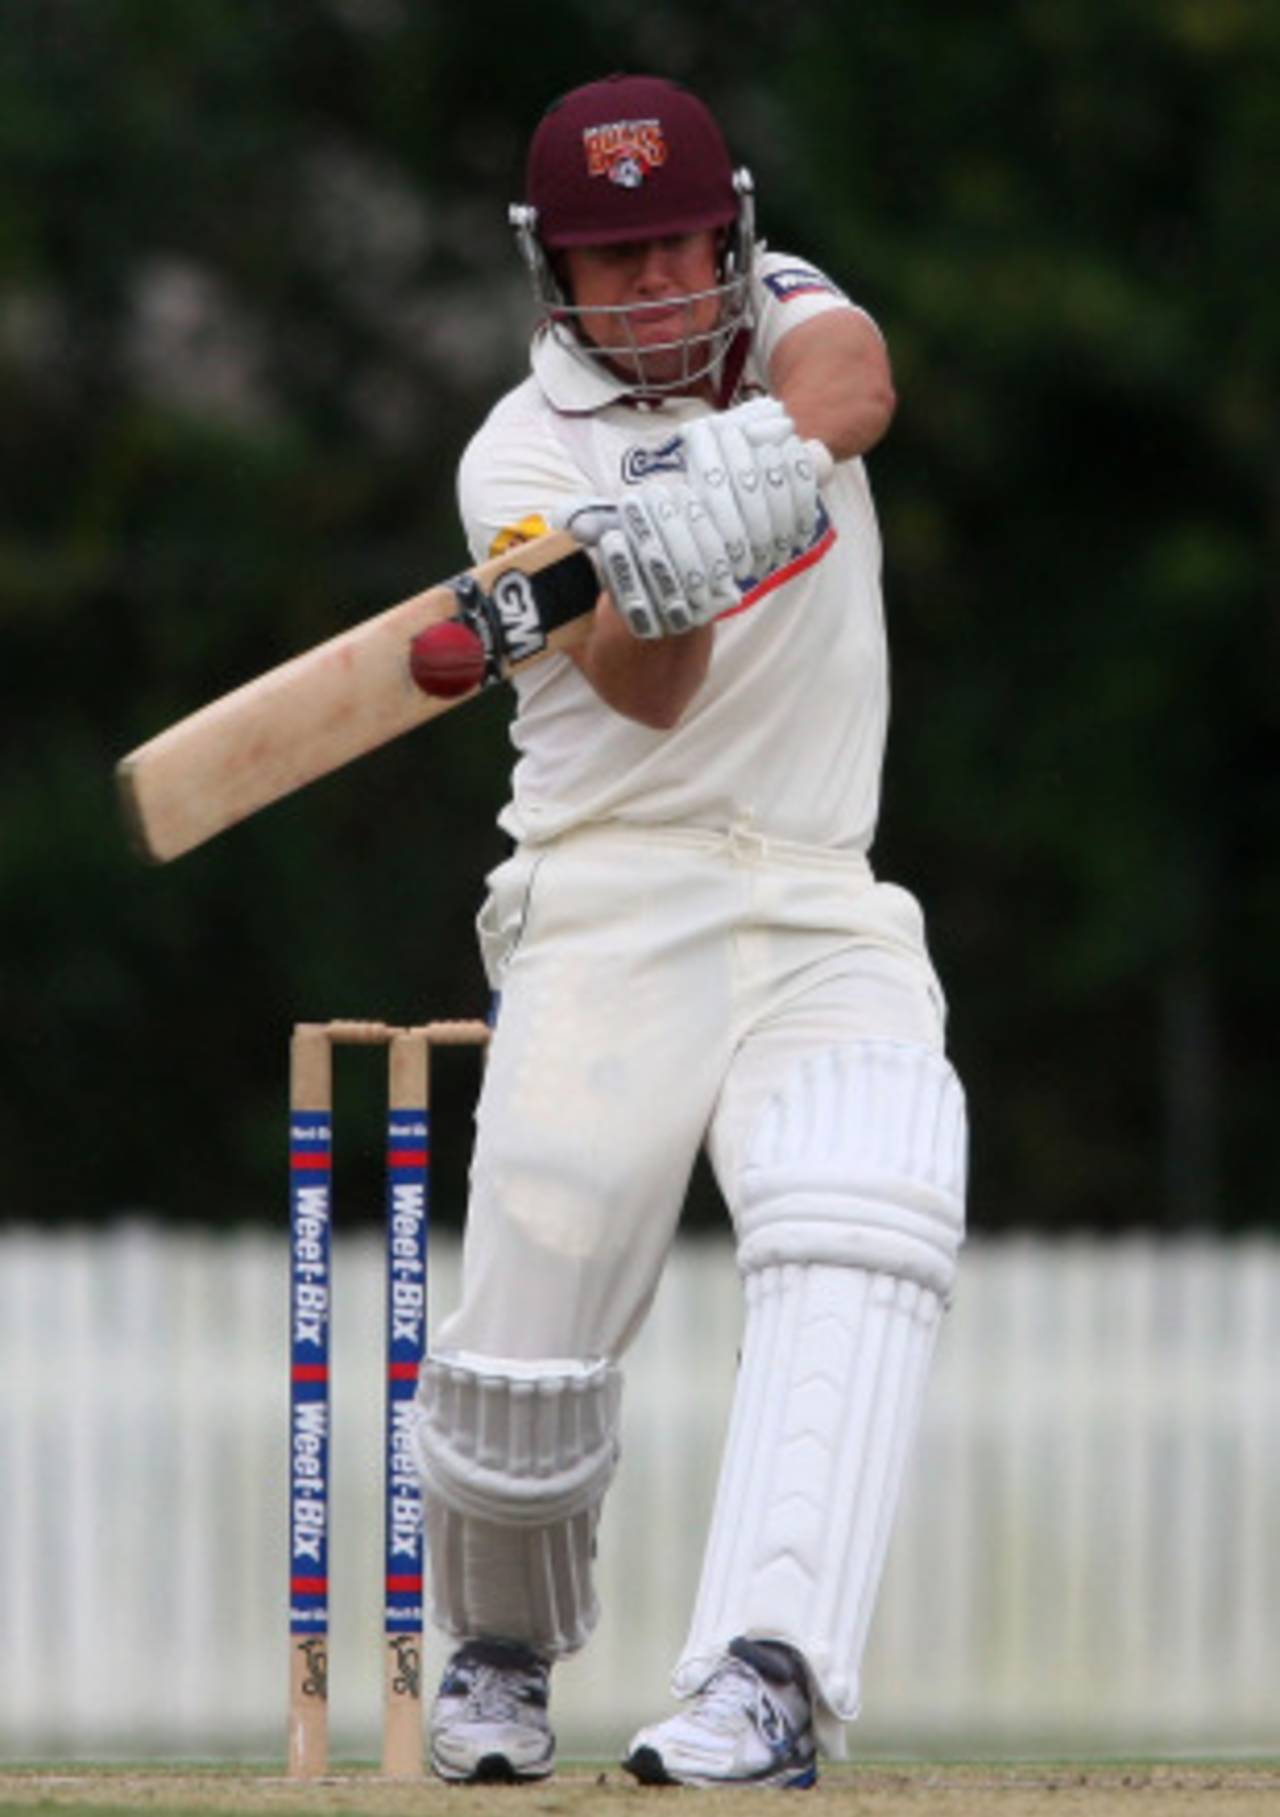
pixel 334 703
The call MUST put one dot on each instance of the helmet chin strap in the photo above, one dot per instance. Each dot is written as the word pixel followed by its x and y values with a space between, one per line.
pixel 730 375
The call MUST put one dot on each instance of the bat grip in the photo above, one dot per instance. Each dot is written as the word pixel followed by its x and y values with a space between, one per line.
pixel 477 611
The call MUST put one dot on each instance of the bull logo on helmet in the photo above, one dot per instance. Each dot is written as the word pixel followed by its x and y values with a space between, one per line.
pixel 625 151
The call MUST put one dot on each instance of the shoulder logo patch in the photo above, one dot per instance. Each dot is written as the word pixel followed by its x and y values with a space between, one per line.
pixel 799 281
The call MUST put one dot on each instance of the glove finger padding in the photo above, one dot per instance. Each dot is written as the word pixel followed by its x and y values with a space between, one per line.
pixel 802 466
pixel 762 419
pixel 688 601
pixel 658 571
pixel 791 488
pixel 776 490
pixel 662 557
pixel 725 591
pixel 759 482
pixel 622 578
pixel 594 522
pixel 746 477
pixel 709 478
pixel 693 557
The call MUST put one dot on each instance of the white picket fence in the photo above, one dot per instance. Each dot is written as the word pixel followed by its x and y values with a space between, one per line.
pixel 1089 1556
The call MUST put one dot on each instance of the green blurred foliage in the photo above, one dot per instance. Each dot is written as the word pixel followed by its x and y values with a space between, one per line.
pixel 255 291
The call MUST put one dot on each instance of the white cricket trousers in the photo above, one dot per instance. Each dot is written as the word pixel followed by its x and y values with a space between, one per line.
pixel 658 987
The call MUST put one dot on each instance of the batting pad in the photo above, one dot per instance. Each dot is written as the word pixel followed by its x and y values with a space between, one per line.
pixel 850 1217
pixel 860 1159
pixel 515 1459
pixel 834 1363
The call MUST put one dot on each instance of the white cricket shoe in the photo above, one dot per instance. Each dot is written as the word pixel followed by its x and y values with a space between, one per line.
pixel 750 1724
pixel 489 1721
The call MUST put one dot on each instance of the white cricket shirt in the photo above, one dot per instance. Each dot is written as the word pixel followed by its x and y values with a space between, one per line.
pixel 786 735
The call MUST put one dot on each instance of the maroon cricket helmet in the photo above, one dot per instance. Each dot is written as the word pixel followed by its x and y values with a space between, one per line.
pixel 628 158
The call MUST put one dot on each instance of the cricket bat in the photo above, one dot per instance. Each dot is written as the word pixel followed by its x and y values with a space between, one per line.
pixel 332 704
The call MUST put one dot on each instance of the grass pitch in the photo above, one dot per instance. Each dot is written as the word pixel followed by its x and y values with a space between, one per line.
pixel 1027 1790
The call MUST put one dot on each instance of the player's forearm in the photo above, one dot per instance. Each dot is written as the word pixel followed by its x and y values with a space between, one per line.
pixel 833 375
pixel 652 682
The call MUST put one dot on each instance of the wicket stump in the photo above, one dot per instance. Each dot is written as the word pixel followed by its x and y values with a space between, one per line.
pixel 310 1305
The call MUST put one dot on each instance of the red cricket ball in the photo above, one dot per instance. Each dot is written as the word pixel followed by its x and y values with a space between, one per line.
pixel 447 659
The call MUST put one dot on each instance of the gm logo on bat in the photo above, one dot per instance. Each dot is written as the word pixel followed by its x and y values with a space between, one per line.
pixel 517 608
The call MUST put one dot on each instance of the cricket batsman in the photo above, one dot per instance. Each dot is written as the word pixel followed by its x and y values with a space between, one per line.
pixel 691 947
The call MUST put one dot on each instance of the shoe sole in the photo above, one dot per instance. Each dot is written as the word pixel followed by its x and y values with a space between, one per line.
pixel 647 1765
pixel 492 1769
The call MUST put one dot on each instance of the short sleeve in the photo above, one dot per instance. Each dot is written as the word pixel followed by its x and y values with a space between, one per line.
pixel 787 291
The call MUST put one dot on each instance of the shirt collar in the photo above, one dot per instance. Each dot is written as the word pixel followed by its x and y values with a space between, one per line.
pixel 569 384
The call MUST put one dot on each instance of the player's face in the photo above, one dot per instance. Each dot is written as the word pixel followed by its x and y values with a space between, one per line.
pixel 641 305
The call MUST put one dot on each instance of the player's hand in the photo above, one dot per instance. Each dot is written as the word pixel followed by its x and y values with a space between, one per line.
pixel 661 556
pixel 759 482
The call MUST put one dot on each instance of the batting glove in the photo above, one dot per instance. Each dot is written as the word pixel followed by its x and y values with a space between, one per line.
pixel 661 557
pixel 758 481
